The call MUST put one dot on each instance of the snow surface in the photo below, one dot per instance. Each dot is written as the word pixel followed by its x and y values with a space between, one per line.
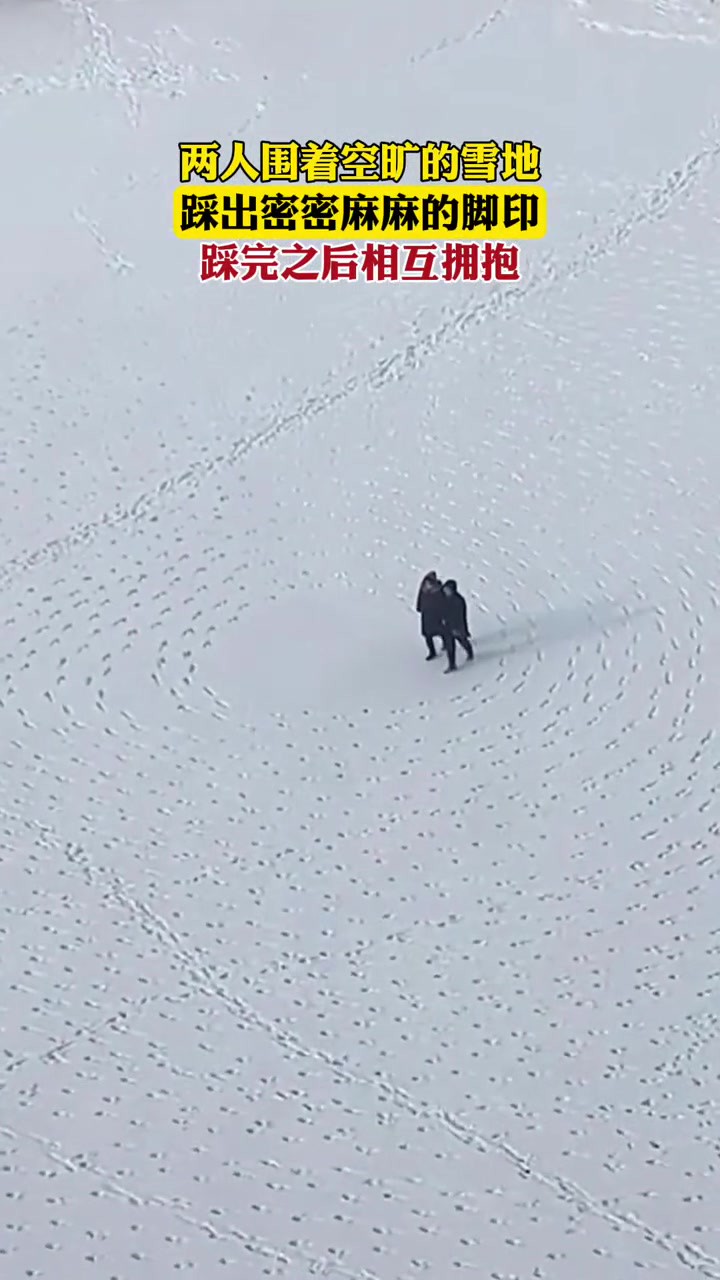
pixel 315 962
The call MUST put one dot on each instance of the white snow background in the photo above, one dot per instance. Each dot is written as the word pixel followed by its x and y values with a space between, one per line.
pixel 315 962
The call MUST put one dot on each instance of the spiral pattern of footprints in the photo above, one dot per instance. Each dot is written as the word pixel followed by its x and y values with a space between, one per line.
pixel 313 962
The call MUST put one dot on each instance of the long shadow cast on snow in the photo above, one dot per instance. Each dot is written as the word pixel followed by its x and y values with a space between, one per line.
pixel 557 626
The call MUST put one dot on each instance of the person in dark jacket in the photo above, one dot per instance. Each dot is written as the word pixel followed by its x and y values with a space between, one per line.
pixel 455 620
pixel 431 607
pixel 429 579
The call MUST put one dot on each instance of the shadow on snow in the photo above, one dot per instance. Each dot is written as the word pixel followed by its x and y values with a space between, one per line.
pixel 557 626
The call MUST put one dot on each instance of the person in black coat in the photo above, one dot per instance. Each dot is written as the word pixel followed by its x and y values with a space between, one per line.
pixel 455 618
pixel 429 579
pixel 430 605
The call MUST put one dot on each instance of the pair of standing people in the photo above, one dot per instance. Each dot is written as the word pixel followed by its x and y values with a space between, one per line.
pixel 443 616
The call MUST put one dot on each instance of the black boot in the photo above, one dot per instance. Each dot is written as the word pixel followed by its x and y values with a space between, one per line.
pixel 431 650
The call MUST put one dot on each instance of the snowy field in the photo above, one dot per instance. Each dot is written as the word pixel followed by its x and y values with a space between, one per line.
pixel 316 962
